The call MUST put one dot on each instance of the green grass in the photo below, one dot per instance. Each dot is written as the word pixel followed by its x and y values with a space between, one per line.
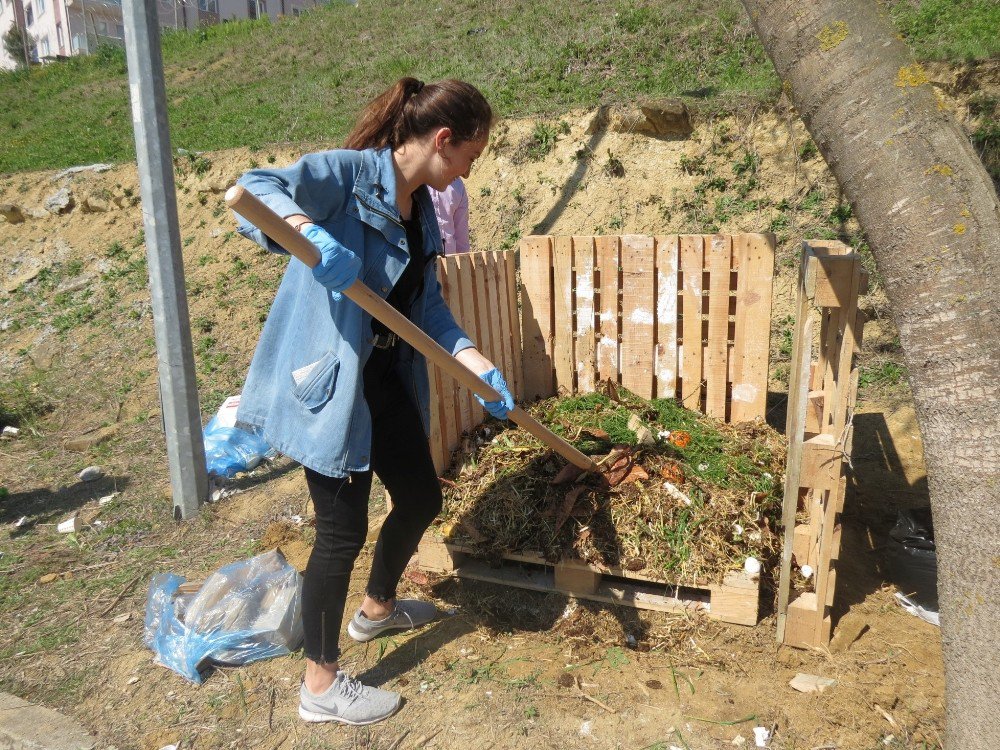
pixel 949 29
pixel 250 83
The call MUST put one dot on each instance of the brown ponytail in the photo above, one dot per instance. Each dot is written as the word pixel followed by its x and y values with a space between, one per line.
pixel 410 109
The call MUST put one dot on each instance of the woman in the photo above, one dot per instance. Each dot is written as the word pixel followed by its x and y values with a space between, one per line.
pixel 452 210
pixel 337 391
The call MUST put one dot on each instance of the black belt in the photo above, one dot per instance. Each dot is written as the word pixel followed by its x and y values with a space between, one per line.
pixel 384 340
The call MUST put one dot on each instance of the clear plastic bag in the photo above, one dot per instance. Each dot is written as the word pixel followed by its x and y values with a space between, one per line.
pixel 230 449
pixel 245 611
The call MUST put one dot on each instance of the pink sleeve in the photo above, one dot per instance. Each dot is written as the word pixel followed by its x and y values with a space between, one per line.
pixel 461 217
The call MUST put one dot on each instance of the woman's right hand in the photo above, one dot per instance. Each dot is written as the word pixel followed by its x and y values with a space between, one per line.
pixel 338 267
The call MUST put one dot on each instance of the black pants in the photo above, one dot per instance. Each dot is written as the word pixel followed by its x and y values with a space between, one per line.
pixel 401 458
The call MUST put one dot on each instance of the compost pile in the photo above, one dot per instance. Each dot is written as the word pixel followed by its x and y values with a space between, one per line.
pixel 682 497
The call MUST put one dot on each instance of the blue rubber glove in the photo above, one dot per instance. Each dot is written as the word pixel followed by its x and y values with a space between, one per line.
pixel 498 409
pixel 338 267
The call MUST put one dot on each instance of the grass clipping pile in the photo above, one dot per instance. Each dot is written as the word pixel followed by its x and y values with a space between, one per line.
pixel 681 498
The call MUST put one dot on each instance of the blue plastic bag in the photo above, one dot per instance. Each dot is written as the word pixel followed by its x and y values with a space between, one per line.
pixel 230 449
pixel 245 611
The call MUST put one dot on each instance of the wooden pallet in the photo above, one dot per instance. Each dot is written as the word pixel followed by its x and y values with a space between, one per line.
pixel 736 600
pixel 821 396
pixel 667 316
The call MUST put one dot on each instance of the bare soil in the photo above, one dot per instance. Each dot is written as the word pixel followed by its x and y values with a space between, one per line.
pixel 502 668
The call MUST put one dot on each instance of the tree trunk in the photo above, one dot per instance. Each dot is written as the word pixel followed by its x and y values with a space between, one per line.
pixel 931 215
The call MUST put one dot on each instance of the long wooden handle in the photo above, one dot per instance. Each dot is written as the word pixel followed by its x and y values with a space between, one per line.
pixel 256 212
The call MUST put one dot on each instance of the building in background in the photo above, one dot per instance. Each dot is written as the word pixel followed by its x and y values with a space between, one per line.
pixel 61 28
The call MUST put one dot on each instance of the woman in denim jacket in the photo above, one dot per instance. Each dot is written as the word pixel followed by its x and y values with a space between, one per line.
pixel 335 390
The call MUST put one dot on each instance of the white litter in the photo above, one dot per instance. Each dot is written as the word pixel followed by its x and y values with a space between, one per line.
pixel 663 434
pixel 739 529
pixel 917 611
pixel 752 566
pixel 676 494
pixel 586 728
pixel 20 522
pixel 761 736
pixel 806 571
pixel 702 467
pixel 70 526
pixel 108 498
pixel 9 431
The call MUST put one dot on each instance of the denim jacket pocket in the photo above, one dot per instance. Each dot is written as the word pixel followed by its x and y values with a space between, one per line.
pixel 314 386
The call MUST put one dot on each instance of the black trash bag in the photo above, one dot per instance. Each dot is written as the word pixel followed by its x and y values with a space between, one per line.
pixel 912 557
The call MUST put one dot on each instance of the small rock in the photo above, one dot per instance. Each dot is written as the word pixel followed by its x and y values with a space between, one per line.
pixel 49 578
pixel 598 121
pixel 94 205
pixel 10 432
pixel 123 618
pixel 132 680
pixel 789 657
pixel 849 629
pixel 14 214
pixel 90 439
pixel 668 117
pixel 91 473
pixel 810 683
pixel 661 118
pixel 107 498
pixel 60 202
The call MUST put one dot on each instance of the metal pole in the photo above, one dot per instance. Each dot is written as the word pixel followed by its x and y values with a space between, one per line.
pixel 178 386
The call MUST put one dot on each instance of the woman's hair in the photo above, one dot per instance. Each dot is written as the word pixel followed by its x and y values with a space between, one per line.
pixel 410 109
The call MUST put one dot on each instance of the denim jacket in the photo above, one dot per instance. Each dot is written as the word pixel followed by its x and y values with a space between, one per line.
pixel 304 388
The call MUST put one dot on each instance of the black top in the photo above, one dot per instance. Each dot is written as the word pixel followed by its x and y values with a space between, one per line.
pixel 411 283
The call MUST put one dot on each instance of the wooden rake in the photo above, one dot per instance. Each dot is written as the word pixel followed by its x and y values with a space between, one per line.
pixel 255 211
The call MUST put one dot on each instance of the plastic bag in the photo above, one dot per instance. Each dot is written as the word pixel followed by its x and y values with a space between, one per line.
pixel 245 611
pixel 230 449
pixel 911 555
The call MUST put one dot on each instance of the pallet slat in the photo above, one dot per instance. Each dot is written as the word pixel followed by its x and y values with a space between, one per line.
pixel 638 314
pixel 537 317
pixel 562 296
pixel 609 263
pixel 586 365
pixel 736 600
pixel 666 317
pixel 755 254
pixel 719 259
pixel 692 259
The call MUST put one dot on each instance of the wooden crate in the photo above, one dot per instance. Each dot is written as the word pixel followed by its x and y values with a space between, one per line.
pixel 822 391
pixel 665 316
pixel 479 289
pixel 736 600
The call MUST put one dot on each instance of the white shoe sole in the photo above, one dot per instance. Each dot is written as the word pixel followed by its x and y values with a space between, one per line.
pixel 365 637
pixel 311 716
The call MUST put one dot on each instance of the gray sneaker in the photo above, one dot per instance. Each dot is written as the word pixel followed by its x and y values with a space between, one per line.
pixel 409 613
pixel 349 702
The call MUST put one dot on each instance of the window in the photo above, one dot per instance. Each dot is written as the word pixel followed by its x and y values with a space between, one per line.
pixel 101 28
pixel 59 36
pixel 209 6
pixel 29 15
pixel 43 47
pixel 40 4
pixel 119 31
pixel 251 8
